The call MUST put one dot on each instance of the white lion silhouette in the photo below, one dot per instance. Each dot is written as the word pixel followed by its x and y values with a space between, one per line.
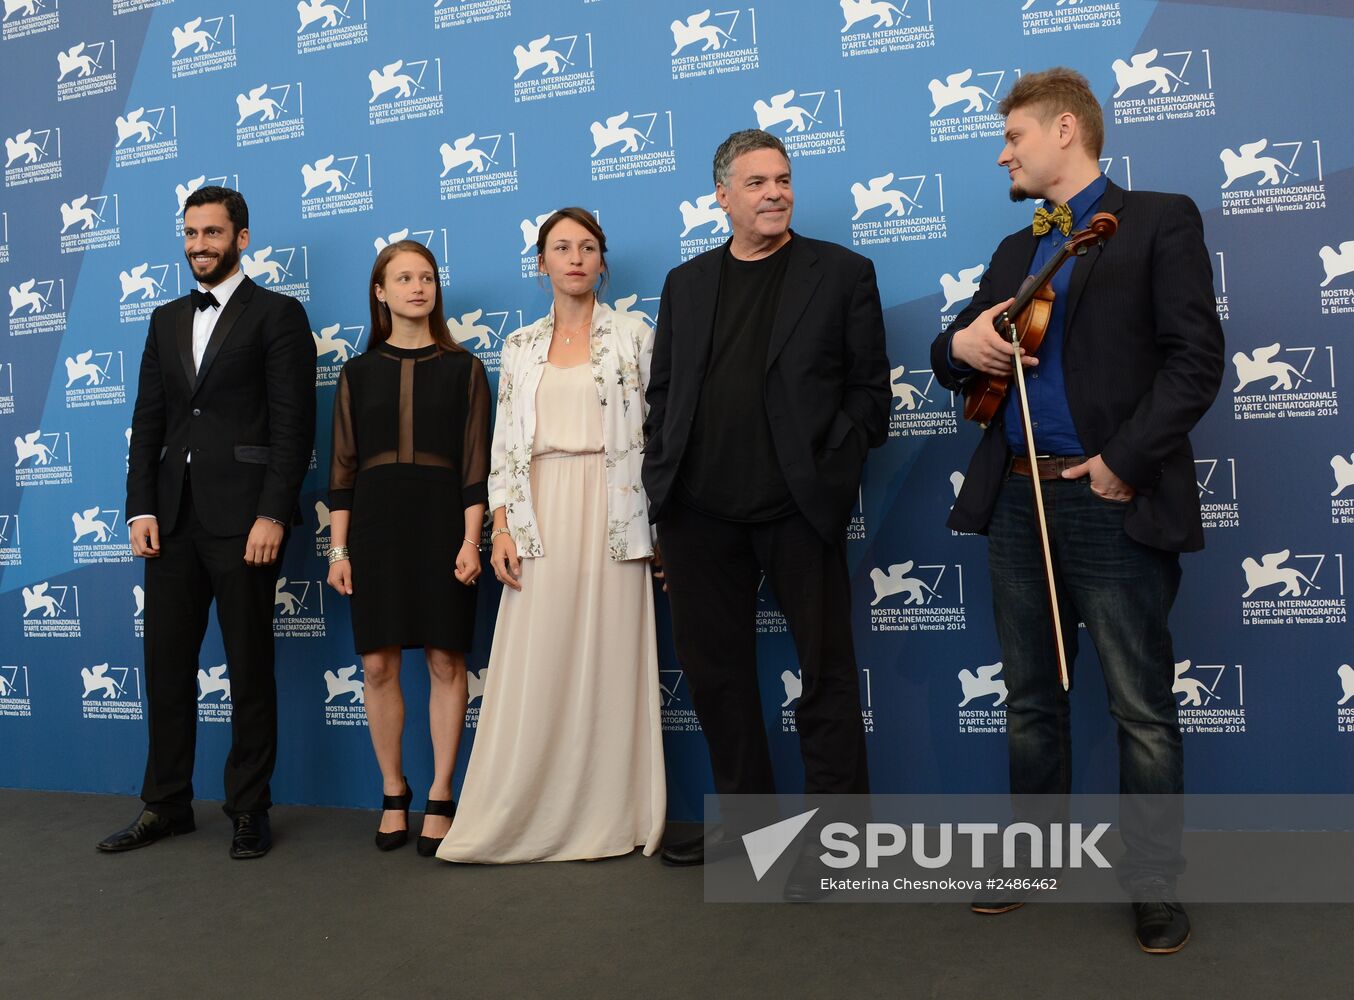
pixel 22 146
pixel 322 172
pixel 1246 160
pixel 704 212
pixel 132 125
pixel 36 598
pixel 389 77
pixel 25 297
pixel 87 522
pixel 189 35
pixel 344 682
pixel 213 681
pixel 896 581
pixel 981 683
pixel 876 193
pixel 1260 365
pixel 254 102
pixel 468 328
pixel 957 289
pixel 460 151
pixel 957 90
pixel 884 13
pixel 615 132
pixel 536 54
pixel 317 10
pixel 138 280
pixel 1337 263
pixel 74 58
pixel 1139 70
pixel 694 29
pixel 781 110
pixel 1271 572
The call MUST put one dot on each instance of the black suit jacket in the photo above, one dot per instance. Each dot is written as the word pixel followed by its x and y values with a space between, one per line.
pixel 827 376
pixel 247 416
pixel 1142 362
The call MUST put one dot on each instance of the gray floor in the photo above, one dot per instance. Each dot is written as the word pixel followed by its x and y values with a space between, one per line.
pixel 326 915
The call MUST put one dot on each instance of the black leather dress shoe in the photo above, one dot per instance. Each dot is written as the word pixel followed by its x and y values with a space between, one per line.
pixel 804 884
pixel 253 836
pixel 685 853
pixel 145 830
pixel 1002 889
pixel 1162 926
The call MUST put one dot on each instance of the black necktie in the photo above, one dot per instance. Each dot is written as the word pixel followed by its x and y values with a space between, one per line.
pixel 201 300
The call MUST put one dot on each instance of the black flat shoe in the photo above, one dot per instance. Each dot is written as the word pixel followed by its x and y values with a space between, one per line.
pixel 253 836
pixel 145 830
pixel 396 838
pixel 427 846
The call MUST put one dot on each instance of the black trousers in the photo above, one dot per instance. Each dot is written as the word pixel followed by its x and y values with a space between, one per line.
pixel 194 568
pixel 713 568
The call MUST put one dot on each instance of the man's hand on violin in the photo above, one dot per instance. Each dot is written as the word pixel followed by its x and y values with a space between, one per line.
pixel 1104 483
pixel 980 346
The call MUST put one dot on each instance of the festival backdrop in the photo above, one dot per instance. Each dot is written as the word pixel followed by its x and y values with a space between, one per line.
pixel 462 123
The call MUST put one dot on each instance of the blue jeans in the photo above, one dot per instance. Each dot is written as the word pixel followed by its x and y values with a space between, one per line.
pixel 1123 591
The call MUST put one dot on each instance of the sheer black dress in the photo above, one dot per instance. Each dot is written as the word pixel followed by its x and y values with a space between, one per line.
pixel 411 453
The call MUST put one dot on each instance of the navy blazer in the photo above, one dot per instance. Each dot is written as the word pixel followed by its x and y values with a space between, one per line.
pixel 827 376
pixel 247 415
pixel 1142 360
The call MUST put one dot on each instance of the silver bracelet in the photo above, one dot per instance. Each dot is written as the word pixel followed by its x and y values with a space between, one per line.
pixel 337 554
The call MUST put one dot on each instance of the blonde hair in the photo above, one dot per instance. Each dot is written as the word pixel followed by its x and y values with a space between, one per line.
pixel 1051 92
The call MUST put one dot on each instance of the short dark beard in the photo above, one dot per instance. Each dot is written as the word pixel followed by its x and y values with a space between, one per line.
pixel 227 263
pixel 1018 193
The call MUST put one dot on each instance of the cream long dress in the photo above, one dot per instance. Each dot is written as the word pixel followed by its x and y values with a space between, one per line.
pixel 568 757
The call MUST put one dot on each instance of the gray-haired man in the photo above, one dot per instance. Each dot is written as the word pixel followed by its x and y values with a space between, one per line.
pixel 769 385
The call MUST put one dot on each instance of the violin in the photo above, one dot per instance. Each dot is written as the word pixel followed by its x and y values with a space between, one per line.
pixel 1032 309
pixel 983 396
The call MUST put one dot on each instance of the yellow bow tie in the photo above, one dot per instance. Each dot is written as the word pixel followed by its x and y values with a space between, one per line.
pixel 1060 218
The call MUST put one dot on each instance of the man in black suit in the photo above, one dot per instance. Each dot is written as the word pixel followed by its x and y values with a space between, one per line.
pixel 221 438
pixel 1133 357
pixel 769 384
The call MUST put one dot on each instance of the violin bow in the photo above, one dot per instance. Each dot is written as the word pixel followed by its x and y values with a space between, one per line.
pixel 1103 225
pixel 1039 506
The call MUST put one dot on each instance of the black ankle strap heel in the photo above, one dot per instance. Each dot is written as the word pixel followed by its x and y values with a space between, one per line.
pixel 397 838
pixel 427 846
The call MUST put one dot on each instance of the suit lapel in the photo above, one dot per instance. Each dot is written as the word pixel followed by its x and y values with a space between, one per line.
pixel 706 287
pixel 234 307
pixel 183 338
pixel 1111 201
pixel 801 280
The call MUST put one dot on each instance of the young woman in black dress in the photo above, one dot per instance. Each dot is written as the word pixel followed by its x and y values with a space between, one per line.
pixel 407 495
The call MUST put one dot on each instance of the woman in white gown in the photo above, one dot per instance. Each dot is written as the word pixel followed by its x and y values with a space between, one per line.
pixel 567 761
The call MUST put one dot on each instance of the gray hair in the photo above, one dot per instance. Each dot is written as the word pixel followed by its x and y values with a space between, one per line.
pixel 744 141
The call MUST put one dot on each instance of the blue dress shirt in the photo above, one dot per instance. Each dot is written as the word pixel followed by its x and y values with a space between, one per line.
pixel 1054 432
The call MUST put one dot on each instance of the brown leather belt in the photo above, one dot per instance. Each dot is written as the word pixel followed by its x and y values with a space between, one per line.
pixel 1050 466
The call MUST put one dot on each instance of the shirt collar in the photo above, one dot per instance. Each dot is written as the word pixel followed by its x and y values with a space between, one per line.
pixel 226 289
pixel 1086 199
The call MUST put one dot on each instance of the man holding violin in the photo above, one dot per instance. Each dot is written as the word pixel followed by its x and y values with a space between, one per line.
pixel 1131 358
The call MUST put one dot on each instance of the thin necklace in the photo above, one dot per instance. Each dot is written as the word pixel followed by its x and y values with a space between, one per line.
pixel 569 338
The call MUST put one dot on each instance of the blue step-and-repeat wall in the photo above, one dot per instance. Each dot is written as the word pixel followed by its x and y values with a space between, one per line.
pixel 461 123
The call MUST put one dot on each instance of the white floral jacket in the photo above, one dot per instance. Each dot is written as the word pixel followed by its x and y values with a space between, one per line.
pixel 621 349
